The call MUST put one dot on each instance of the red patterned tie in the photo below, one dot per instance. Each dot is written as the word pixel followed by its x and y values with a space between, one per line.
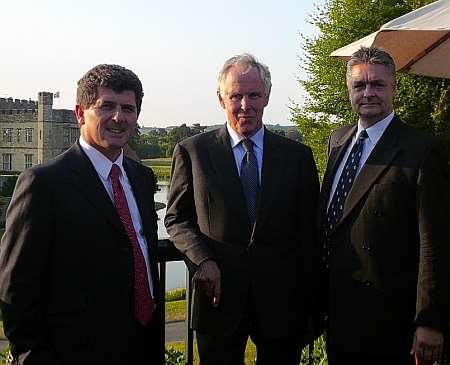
pixel 144 304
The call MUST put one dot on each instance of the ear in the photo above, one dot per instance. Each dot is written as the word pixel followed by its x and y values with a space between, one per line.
pixel 266 101
pixel 222 103
pixel 79 113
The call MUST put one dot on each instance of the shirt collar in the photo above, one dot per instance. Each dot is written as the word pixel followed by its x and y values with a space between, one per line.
pixel 376 131
pixel 235 138
pixel 101 163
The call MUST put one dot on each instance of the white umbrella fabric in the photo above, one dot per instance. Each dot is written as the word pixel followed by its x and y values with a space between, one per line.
pixel 418 41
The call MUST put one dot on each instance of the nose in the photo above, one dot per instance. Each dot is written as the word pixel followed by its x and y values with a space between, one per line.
pixel 369 90
pixel 118 115
pixel 245 103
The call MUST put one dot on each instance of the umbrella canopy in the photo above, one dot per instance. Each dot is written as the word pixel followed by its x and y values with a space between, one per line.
pixel 418 41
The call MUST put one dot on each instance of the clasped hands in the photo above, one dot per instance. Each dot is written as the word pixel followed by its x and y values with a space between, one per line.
pixel 207 279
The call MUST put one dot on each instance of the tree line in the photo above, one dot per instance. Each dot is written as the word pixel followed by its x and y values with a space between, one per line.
pixel 160 142
pixel 422 102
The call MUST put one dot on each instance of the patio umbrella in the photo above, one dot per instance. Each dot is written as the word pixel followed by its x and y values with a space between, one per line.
pixel 418 41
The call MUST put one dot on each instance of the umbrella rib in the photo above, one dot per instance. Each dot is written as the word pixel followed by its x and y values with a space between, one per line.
pixel 425 52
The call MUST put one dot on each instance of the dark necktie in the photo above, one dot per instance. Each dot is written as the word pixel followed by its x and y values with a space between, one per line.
pixel 143 301
pixel 250 178
pixel 345 183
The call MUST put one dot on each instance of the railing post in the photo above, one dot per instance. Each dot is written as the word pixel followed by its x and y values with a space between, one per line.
pixel 162 300
pixel 188 332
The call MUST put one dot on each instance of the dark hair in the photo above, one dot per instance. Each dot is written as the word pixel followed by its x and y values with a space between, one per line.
pixel 372 55
pixel 115 77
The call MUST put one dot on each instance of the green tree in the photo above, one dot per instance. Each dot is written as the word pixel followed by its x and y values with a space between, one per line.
pixel 420 101
pixel 177 134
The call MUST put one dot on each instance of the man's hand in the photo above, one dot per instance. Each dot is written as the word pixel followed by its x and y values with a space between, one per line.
pixel 427 345
pixel 207 279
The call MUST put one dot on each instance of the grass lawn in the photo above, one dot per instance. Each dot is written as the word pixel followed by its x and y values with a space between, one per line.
pixel 250 352
pixel 175 310
pixel 2 334
pixel 163 161
pixel 160 166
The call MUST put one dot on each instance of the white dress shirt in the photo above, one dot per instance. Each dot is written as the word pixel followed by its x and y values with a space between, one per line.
pixel 103 167
pixel 374 134
pixel 239 151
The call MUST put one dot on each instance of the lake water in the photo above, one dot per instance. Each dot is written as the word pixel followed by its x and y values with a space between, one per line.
pixel 176 271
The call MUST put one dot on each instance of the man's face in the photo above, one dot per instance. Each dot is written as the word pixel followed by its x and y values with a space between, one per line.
pixel 109 122
pixel 371 91
pixel 244 99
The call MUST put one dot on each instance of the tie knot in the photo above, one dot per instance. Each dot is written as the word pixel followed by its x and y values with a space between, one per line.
pixel 363 135
pixel 247 144
pixel 115 171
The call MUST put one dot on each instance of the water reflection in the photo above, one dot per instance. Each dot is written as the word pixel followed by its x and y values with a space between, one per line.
pixel 176 271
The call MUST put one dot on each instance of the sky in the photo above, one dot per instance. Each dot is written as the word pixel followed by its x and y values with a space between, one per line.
pixel 176 47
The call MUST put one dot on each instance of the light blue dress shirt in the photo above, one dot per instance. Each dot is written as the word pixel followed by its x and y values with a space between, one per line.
pixel 238 149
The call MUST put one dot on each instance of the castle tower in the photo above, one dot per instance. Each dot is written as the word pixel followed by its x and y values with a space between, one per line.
pixel 44 126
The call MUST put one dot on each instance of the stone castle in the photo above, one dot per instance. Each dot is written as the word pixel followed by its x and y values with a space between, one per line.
pixel 33 132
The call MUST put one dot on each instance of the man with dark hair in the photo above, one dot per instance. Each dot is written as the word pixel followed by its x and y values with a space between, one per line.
pixel 241 208
pixel 385 229
pixel 78 271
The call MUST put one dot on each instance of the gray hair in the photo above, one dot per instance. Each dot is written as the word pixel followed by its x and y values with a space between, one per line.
pixel 246 61
pixel 374 56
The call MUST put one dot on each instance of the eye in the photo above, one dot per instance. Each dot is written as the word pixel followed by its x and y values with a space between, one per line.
pixel 235 97
pixel 128 108
pixel 106 106
pixel 254 96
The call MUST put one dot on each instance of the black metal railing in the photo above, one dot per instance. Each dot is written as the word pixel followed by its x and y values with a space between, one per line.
pixel 168 253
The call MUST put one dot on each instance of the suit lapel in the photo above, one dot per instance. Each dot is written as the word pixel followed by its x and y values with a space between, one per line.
pixel 86 180
pixel 270 176
pixel 334 159
pixel 379 160
pixel 224 164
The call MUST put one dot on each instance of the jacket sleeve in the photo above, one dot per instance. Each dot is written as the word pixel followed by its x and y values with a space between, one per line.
pixel 181 216
pixel 24 256
pixel 433 212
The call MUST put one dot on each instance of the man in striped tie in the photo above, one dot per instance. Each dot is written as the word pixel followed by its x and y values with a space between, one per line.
pixel 384 229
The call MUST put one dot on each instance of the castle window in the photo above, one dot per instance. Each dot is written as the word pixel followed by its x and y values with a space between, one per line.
pixel 7 161
pixel 7 135
pixel 28 160
pixel 19 134
pixel 28 134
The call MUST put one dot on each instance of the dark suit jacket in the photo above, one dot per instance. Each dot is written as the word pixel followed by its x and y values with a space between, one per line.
pixel 389 263
pixel 66 264
pixel 271 266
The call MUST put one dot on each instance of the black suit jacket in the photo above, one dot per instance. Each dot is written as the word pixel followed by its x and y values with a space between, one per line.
pixel 389 263
pixel 66 264
pixel 270 266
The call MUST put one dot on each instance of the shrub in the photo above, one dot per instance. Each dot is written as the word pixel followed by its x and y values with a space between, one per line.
pixel 174 357
pixel 176 294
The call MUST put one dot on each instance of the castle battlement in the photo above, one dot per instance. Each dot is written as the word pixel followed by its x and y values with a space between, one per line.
pixel 17 104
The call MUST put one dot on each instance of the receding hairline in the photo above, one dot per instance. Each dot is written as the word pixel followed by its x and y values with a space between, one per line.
pixel 246 62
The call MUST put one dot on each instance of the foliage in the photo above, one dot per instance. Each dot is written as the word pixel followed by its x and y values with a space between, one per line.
pixel 176 294
pixel 160 143
pixel 173 356
pixel 176 310
pixel 420 101
pixel 8 186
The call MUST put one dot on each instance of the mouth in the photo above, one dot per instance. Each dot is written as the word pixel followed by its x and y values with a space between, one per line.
pixel 116 131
